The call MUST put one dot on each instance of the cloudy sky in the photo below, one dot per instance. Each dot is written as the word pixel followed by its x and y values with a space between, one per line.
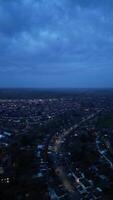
pixel 56 43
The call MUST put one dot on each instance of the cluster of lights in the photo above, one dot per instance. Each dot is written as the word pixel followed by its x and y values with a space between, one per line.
pixel 5 180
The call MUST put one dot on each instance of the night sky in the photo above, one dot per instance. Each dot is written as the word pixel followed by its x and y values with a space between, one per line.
pixel 56 43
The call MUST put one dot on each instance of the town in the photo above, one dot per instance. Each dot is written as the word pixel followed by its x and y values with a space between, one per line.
pixel 56 145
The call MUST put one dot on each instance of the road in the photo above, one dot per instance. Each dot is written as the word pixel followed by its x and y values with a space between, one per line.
pixel 62 169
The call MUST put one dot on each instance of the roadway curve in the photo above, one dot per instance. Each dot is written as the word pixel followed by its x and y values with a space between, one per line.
pixel 61 170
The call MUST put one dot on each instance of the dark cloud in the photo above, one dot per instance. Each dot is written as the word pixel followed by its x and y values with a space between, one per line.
pixel 65 38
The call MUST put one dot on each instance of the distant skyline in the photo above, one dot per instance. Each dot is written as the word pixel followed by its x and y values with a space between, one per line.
pixel 56 43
